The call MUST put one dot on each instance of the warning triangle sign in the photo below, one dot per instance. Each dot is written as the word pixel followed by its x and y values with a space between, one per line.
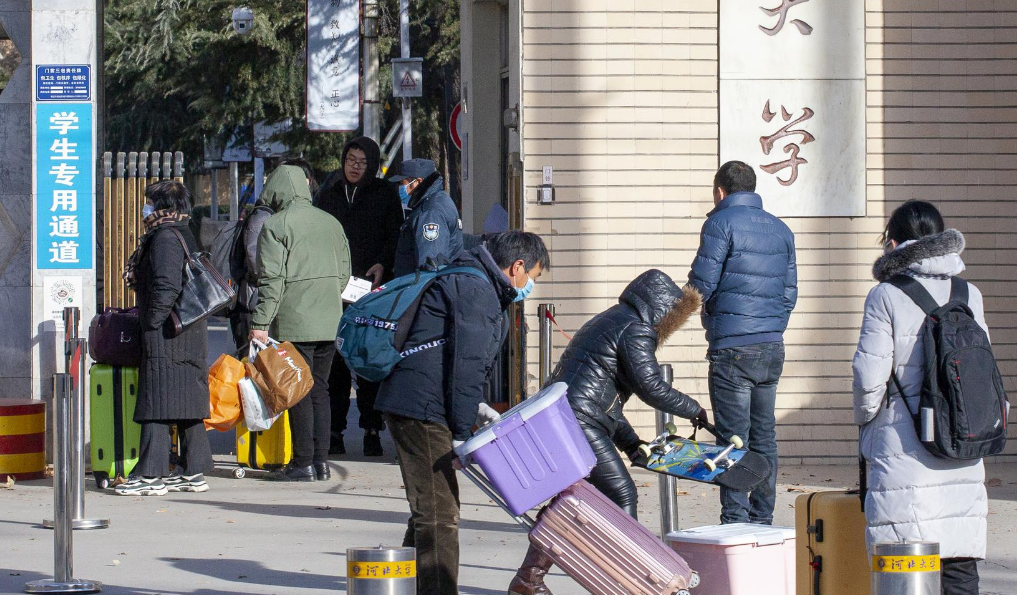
pixel 408 84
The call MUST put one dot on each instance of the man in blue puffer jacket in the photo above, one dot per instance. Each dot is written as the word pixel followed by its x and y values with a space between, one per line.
pixel 745 270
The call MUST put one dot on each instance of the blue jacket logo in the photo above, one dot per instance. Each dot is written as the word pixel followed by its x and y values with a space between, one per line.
pixel 430 231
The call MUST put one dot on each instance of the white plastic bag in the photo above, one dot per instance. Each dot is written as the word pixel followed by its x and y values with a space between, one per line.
pixel 256 415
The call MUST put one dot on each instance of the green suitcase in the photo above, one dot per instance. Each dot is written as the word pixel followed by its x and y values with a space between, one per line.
pixel 116 437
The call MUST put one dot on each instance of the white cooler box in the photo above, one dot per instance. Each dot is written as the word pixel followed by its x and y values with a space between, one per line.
pixel 740 558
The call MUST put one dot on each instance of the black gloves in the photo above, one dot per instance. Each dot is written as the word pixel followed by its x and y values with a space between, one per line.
pixel 700 420
pixel 637 458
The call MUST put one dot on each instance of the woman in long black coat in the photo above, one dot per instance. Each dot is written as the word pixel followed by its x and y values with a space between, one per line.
pixel 173 384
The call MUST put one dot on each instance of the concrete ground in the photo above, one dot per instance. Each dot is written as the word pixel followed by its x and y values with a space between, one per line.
pixel 250 536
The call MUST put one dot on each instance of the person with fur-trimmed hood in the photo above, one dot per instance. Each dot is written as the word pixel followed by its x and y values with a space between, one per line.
pixel 913 494
pixel 612 357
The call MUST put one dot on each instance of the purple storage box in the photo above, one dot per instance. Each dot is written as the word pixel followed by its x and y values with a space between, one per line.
pixel 535 450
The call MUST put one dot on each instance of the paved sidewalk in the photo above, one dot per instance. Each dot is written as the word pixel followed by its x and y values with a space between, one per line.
pixel 250 536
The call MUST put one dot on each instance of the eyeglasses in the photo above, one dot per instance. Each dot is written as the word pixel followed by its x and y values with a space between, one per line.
pixel 357 163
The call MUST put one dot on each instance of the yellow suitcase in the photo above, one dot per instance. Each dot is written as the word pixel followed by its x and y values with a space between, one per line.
pixel 270 449
pixel 831 558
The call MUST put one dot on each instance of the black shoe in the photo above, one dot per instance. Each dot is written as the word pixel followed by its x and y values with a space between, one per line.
pixel 292 473
pixel 337 446
pixel 372 444
pixel 322 472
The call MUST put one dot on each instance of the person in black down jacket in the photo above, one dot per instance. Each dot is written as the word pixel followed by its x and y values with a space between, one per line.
pixel 433 396
pixel 746 271
pixel 612 357
pixel 369 210
pixel 173 383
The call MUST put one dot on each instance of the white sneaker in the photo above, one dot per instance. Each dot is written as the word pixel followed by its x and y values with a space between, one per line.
pixel 142 486
pixel 186 483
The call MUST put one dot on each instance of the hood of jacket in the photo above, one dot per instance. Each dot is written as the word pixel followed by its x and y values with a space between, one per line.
pixel 935 256
pixel 373 153
pixel 286 185
pixel 652 295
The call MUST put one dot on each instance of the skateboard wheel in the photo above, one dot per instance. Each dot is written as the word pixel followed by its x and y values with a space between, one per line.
pixel 644 449
pixel 694 581
pixel 737 442
pixel 102 482
pixel 239 473
pixel 710 465
pixel 683 592
pixel 670 428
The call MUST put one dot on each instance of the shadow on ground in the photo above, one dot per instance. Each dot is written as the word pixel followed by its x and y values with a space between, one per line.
pixel 341 513
pixel 13 581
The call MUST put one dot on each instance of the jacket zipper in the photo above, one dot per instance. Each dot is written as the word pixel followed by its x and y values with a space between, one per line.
pixel 118 422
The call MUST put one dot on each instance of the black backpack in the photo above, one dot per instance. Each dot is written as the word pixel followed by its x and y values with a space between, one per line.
pixel 962 400
pixel 227 251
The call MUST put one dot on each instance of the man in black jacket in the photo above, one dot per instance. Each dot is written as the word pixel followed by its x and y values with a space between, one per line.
pixel 432 397
pixel 369 210
pixel 612 357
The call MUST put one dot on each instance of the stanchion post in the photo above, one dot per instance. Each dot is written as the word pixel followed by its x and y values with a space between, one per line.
pixel 668 483
pixel 78 442
pixel 63 537
pixel 76 367
pixel 545 312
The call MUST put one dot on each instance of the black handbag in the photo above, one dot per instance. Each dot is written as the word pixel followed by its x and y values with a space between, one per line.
pixel 205 290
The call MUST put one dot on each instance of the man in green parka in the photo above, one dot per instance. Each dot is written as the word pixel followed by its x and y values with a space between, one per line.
pixel 303 267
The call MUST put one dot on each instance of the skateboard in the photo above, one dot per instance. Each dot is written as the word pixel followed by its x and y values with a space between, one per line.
pixel 729 466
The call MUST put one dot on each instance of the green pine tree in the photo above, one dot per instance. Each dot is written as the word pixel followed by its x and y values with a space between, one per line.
pixel 177 74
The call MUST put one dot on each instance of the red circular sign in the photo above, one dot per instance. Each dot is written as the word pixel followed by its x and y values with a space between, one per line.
pixel 453 126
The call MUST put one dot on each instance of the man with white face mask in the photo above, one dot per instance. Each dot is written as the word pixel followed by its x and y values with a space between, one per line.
pixel 434 394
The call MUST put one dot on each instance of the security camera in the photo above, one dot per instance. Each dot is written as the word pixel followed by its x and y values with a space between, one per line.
pixel 243 20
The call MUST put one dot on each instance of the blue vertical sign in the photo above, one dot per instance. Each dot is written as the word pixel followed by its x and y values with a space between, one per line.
pixel 64 168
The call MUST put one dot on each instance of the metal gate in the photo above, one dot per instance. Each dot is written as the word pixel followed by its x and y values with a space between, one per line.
pixel 123 196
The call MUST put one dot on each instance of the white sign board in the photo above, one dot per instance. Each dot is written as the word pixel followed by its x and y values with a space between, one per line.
pixel 407 77
pixel 792 102
pixel 333 65
pixel 59 293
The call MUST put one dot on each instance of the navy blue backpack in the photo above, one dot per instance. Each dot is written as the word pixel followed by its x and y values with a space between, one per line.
pixel 373 330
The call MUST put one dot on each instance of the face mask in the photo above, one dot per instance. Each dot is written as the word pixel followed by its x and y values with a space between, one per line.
pixel 522 294
pixel 404 194
pixel 146 211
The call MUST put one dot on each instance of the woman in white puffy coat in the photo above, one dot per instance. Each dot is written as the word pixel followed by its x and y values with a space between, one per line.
pixel 914 495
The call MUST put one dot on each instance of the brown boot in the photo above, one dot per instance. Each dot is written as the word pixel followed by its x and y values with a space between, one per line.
pixel 529 579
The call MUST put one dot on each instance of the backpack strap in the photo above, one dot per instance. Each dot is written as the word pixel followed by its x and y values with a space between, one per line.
pixel 958 290
pixel 914 290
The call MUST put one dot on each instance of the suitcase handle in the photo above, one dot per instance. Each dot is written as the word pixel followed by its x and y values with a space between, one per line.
pixel 485 486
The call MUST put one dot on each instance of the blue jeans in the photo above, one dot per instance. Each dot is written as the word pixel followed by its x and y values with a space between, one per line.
pixel 743 392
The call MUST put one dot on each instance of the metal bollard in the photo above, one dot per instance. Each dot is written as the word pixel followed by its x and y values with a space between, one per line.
pixel 906 568
pixel 77 367
pixel 63 536
pixel 78 441
pixel 544 313
pixel 381 571
pixel 668 483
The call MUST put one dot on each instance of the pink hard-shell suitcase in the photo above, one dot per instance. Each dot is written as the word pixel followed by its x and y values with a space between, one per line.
pixel 600 546
pixel 604 549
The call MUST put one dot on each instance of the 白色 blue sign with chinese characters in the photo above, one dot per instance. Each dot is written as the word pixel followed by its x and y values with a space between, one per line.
pixel 64 167
pixel 63 82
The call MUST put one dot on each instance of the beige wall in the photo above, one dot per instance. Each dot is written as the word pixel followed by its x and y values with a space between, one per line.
pixel 621 98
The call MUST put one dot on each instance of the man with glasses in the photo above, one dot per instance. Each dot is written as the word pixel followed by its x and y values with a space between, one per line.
pixel 369 210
